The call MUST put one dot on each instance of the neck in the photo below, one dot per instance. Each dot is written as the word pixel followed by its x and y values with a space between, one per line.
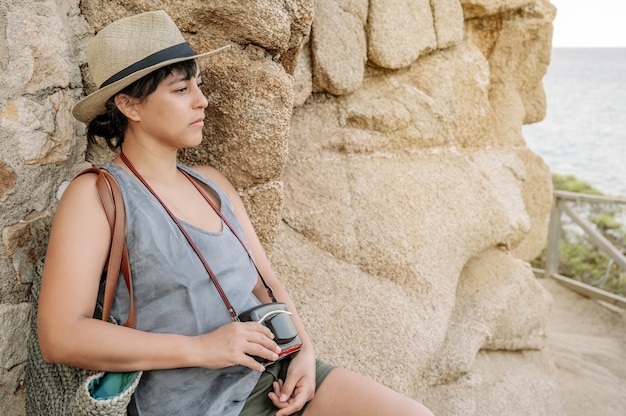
pixel 151 163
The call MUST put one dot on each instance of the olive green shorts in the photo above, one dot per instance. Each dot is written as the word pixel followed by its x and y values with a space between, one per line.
pixel 258 404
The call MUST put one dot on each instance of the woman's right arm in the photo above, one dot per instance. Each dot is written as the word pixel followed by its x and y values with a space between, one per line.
pixel 77 252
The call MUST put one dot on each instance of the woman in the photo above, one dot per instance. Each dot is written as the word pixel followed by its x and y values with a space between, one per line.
pixel 197 360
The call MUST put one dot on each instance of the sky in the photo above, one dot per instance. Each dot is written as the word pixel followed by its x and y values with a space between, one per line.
pixel 589 23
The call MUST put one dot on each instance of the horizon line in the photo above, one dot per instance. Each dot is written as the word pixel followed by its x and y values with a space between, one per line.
pixel 587 47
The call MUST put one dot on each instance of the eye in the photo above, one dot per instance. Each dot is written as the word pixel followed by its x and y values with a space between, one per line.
pixel 181 90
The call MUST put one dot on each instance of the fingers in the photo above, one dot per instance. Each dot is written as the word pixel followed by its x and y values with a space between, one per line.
pixel 291 403
pixel 284 406
pixel 254 326
pixel 236 343
pixel 287 388
pixel 289 407
pixel 258 343
pixel 275 395
pixel 251 363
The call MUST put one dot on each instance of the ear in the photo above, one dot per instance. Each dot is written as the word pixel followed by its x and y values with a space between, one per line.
pixel 128 106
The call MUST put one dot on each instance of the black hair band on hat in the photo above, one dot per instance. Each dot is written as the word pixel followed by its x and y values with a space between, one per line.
pixel 182 50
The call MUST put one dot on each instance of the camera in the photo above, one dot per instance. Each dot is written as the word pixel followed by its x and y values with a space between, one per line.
pixel 277 318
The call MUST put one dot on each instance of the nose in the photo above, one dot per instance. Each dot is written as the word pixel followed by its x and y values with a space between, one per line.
pixel 200 100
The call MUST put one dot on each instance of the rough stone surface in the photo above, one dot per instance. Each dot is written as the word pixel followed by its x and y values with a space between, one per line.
pixel 495 382
pixel 250 101
pixel 14 321
pixel 377 146
pixel 7 181
pixel 25 243
pixel 339 46
pixel 448 20
pixel 538 179
pixel 399 31
pixel 264 204
pixel 498 306
pixel 512 44
pixel 476 8
pixel 14 325
pixel 303 76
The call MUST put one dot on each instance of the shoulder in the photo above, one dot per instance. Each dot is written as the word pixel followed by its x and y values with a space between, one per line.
pixel 80 222
pixel 81 187
pixel 226 186
pixel 81 196
pixel 216 177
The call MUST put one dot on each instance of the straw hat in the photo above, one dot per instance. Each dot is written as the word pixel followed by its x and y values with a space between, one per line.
pixel 128 49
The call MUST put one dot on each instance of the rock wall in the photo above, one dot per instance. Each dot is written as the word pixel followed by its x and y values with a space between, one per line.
pixel 378 147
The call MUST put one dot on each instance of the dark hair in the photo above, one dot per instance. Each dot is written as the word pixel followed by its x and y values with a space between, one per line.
pixel 111 125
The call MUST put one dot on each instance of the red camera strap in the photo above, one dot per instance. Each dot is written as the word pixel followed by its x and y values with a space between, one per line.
pixel 217 285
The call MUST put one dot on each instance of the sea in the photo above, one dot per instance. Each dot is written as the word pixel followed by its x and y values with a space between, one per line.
pixel 584 131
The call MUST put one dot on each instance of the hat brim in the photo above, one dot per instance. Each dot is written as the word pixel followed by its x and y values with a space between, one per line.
pixel 94 104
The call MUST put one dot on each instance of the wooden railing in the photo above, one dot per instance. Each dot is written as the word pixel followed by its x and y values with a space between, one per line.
pixel 562 203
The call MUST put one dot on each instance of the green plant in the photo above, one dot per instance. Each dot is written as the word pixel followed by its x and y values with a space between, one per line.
pixel 579 259
pixel 572 184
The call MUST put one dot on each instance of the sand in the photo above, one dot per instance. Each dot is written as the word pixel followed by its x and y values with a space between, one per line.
pixel 588 343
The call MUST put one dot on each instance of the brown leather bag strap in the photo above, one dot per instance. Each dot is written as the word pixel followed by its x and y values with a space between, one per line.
pixel 113 203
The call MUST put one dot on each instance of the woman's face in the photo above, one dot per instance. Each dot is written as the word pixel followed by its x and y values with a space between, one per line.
pixel 173 114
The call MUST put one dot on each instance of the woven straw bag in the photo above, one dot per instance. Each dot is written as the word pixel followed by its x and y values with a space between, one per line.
pixel 56 389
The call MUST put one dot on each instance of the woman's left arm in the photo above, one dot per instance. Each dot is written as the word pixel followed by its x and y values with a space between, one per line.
pixel 299 386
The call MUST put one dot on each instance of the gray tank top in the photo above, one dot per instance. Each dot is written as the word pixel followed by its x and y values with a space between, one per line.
pixel 174 294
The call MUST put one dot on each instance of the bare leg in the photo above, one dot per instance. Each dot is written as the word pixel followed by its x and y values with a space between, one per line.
pixel 345 393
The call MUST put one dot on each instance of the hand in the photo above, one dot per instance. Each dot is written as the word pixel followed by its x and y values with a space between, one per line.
pixel 237 343
pixel 298 388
